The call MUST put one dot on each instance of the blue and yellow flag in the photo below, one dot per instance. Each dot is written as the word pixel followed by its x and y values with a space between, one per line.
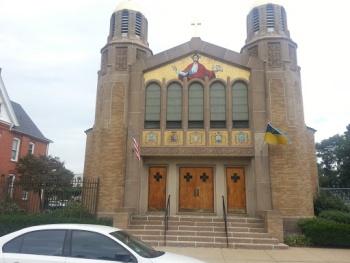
pixel 274 136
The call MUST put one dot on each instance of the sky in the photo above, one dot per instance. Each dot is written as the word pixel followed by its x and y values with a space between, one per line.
pixel 50 55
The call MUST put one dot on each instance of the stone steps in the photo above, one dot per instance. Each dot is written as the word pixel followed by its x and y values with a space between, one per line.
pixel 203 231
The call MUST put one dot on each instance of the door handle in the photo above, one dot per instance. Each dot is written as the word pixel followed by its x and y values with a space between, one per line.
pixel 196 192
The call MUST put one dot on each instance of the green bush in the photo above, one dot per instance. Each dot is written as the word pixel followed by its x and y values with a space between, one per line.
pixel 73 209
pixel 297 240
pixel 326 200
pixel 337 216
pixel 324 232
pixel 11 208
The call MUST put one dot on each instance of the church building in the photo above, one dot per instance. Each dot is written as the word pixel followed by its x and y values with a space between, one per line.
pixel 185 128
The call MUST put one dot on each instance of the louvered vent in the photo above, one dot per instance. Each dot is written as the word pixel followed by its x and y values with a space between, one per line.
pixel 138 25
pixel 125 22
pixel 256 20
pixel 270 18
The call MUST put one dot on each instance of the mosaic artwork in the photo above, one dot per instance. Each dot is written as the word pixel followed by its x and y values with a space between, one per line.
pixel 173 138
pixel 151 138
pixel 241 138
pixel 196 138
pixel 197 66
pixel 218 138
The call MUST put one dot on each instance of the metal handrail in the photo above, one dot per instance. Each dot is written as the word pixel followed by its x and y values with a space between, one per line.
pixel 166 219
pixel 225 219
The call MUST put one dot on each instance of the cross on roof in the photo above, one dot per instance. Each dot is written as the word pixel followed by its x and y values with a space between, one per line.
pixel 196 24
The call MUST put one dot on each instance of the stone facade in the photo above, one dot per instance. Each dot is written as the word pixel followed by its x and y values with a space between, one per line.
pixel 278 180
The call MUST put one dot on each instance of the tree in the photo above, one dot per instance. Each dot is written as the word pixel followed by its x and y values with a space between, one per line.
pixel 44 175
pixel 334 161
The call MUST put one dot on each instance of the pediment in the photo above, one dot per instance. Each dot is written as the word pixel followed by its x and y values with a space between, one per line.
pixel 233 64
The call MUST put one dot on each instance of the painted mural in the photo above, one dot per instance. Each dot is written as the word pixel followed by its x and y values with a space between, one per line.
pixel 197 66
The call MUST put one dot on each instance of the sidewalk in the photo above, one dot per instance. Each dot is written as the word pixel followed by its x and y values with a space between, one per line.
pixel 224 255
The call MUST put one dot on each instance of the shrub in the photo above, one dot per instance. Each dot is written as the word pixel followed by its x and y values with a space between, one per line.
pixel 297 240
pixel 11 208
pixel 326 200
pixel 73 209
pixel 337 216
pixel 324 232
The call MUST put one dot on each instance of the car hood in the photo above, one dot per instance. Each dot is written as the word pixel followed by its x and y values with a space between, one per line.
pixel 169 257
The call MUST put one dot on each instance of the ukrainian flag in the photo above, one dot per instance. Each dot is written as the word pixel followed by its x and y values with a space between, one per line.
pixel 274 136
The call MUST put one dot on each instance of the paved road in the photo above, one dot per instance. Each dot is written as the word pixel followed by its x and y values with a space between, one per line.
pixel 224 255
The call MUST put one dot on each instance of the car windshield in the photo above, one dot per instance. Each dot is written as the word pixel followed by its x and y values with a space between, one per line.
pixel 137 245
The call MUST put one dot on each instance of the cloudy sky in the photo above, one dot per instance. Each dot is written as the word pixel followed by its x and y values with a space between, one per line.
pixel 50 55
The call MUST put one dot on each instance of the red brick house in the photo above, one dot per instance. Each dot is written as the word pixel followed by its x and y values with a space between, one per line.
pixel 18 136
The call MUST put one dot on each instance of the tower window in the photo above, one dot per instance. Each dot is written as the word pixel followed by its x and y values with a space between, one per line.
pixel 152 111
pixel 240 105
pixel 138 25
pixel 283 19
pixel 112 25
pixel 195 106
pixel 256 21
pixel 174 106
pixel 125 22
pixel 217 106
pixel 270 18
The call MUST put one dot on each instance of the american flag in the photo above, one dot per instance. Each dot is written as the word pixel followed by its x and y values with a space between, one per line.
pixel 136 145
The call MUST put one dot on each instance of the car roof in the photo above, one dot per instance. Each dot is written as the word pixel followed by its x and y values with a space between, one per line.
pixel 88 227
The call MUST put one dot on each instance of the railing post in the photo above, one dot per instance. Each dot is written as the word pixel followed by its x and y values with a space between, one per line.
pixel 225 219
pixel 166 217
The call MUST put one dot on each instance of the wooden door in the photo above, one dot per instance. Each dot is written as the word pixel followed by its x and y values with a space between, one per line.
pixel 236 195
pixel 157 188
pixel 196 193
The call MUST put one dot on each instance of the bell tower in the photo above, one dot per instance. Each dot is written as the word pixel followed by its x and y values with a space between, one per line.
pixel 292 167
pixel 107 140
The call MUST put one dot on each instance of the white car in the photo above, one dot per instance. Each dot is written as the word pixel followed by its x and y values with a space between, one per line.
pixel 72 243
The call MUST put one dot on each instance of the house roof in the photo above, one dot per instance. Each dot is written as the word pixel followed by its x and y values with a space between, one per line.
pixel 26 125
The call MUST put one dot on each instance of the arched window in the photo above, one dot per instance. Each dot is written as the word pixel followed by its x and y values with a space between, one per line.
pixel 152 109
pixel 174 106
pixel 195 106
pixel 256 27
pixel 270 18
pixel 240 116
pixel 217 106
pixel 125 22
pixel 138 25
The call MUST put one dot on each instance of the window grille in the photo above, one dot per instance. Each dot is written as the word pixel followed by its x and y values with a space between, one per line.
pixel 152 111
pixel 195 106
pixel 217 106
pixel 240 117
pixel 174 106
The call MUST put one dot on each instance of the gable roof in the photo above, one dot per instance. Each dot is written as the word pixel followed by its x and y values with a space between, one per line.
pixel 202 47
pixel 8 116
pixel 26 125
